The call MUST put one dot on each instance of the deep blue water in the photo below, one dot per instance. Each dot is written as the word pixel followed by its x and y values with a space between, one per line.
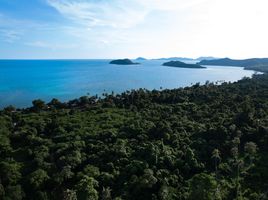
pixel 21 81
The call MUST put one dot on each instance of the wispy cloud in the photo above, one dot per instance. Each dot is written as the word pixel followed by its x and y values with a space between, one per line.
pixel 52 46
pixel 9 35
pixel 114 13
pixel 14 29
pixel 23 30
pixel 100 13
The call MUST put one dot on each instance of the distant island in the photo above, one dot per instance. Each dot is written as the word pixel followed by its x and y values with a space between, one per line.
pixel 182 65
pixel 257 64
pixel 141 58
pixel 123 62
pixel 182 59
pixel 177 59
pixel 206 58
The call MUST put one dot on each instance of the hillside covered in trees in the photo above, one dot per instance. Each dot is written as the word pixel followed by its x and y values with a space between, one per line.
pixel 201 142
pixel 257 64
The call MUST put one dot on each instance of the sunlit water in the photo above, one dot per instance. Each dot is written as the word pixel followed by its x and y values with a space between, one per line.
pixel 23 81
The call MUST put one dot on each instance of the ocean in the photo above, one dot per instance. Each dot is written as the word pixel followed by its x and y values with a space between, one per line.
pixel 22 81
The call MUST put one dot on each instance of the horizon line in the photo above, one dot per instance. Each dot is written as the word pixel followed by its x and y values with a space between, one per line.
pixel 159 58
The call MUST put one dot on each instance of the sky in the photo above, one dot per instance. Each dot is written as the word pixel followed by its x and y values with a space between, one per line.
pixel 88 29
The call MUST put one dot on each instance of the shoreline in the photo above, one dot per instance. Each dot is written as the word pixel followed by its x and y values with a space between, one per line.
pixel 101 97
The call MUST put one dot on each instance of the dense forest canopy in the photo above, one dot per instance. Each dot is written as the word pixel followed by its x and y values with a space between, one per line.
pixel 201 142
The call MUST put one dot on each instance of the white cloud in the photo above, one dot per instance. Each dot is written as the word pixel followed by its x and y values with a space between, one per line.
pixel 98 13
pixel 169 4
pixel 115 13
pixel 117 22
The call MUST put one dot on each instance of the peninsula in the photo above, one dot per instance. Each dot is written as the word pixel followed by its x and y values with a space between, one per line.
pixel 257 64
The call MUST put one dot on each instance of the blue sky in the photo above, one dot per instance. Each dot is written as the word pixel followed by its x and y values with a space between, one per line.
pixel 132 28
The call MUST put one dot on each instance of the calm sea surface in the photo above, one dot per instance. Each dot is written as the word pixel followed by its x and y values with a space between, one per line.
pixel 21 81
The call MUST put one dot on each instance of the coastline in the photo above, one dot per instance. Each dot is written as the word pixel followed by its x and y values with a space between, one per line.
pixel 97 97
pixel 66 80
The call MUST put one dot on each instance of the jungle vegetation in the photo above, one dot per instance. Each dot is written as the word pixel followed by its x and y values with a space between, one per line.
pixel 205 142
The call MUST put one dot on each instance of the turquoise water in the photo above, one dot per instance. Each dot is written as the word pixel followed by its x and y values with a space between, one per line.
pixel 21 81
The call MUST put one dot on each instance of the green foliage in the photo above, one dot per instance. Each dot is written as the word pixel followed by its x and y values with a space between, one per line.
pixel 201 142
pixel 203 186
pixel 10 172
pixel 38 105
pixel 86 189
pixel 14 193
pixel 38 178
pixel 69 195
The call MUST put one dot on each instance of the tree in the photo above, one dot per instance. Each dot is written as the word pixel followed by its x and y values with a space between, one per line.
pixel 14 193
pixel 38 178
pixel 65 174
pixel 250 149
pixel 38 105
pixel 238 164
pixel 216 157
pixel 4 143
pixel 106 194
pixel 242 163
pixel 2 191
pixel 9 109
pixel 203 187
pixel 86 189
pixel 166 193
pixel 71 159
pixel 91 171
pixel 69 195
pixel 10 172
pixel 56 103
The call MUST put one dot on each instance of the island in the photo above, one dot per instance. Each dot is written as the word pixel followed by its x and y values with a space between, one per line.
pixel 182 65
pixel 141 59
pixel 123 62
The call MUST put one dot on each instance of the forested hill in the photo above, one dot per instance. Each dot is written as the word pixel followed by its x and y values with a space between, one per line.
pixel 257 64
pixel 200 143
pixel 232 62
